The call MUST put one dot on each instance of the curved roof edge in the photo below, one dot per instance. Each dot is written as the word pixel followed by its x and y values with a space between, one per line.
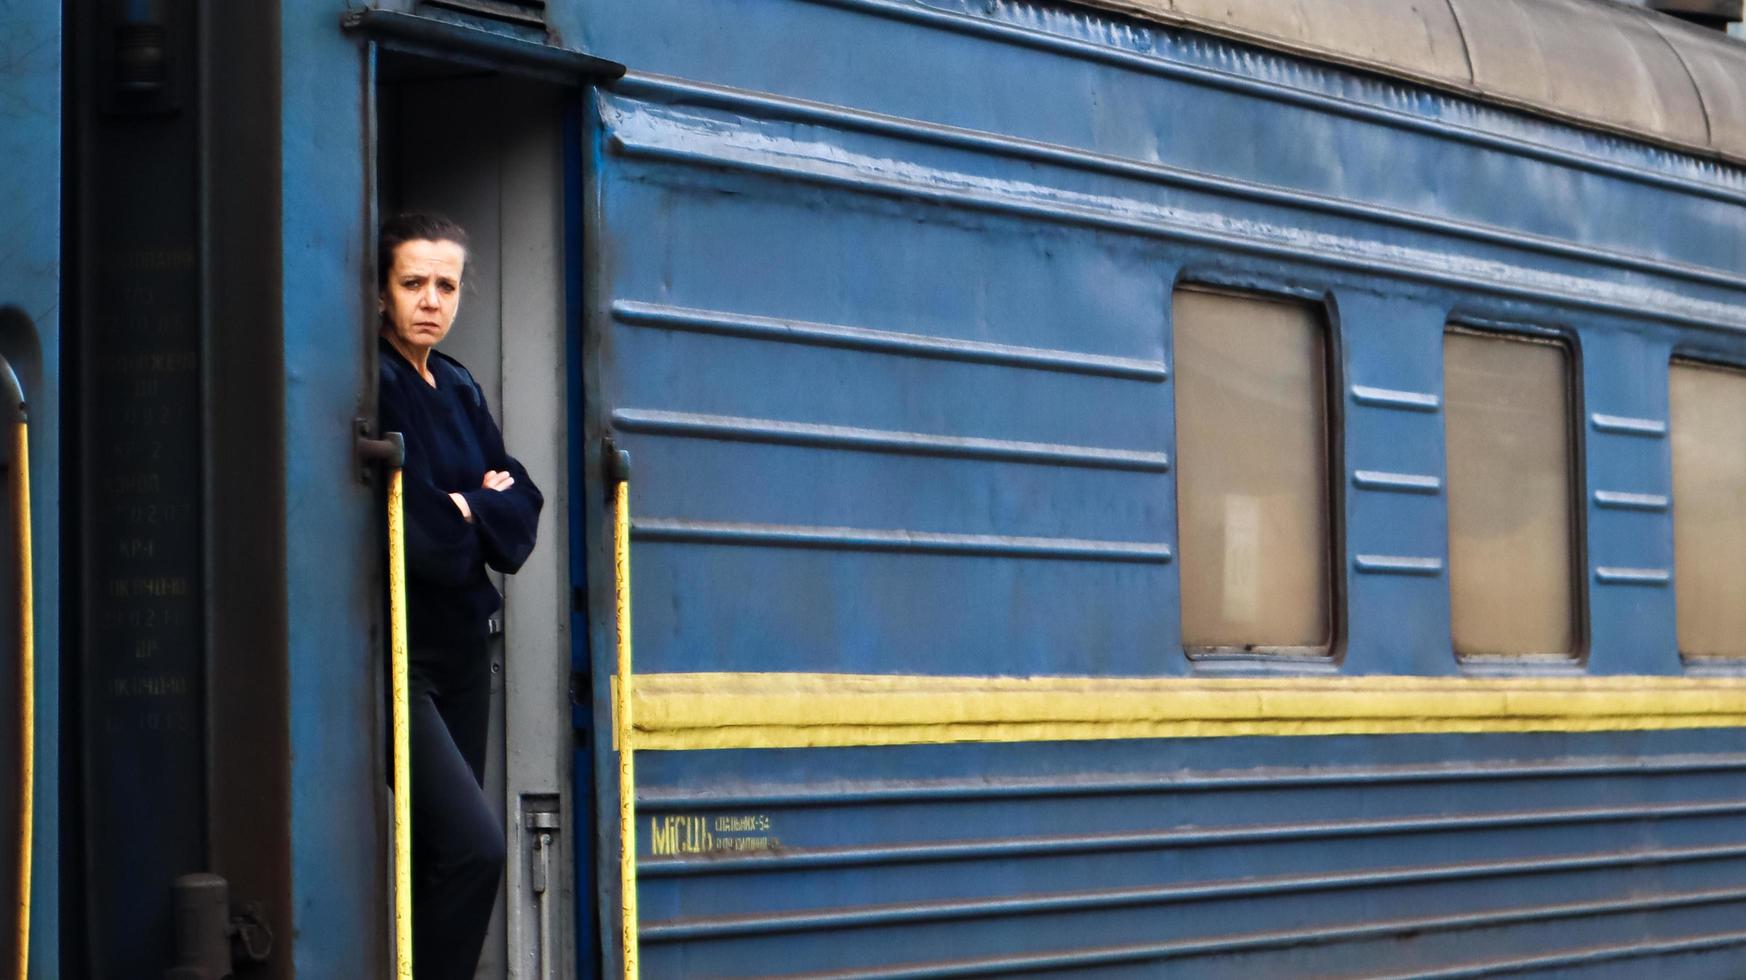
pixel 1597 63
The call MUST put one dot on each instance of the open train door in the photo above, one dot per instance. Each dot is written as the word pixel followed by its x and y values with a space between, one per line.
pixel 30 205
pixel 481 127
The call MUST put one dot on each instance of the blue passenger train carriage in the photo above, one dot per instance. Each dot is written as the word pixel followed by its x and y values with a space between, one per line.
pixel 1116 493
pixel 1109 488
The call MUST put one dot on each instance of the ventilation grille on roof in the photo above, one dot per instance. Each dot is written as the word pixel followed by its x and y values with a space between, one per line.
pixel 528 13
pixel 1710 13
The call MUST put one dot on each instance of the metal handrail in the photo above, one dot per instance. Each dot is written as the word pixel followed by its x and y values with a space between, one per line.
pixel 627 831
pixel 401 724
pixel 12 403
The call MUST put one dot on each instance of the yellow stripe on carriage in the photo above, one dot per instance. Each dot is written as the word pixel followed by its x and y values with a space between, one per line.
pixel 763 710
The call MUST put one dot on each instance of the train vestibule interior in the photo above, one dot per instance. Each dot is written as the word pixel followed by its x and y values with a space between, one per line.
pixel 487 151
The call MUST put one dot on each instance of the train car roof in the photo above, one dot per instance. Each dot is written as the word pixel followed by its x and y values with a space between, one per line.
pixel 1598 63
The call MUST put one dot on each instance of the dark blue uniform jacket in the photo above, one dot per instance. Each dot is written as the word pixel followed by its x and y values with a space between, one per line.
pixel 451 441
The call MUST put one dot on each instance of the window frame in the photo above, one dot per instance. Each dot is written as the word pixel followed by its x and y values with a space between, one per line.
pixel 1569 341
pixel 1260 656
pixel 1705 663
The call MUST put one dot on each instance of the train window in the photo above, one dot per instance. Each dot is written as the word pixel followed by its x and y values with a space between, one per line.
pixel 1707 423
pixel 1252 473
pixel 1511 525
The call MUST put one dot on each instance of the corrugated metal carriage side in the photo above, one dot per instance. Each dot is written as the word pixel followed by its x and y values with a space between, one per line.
pixel 890 336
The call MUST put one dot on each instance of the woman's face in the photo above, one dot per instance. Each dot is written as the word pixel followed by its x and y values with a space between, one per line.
pixel 423 292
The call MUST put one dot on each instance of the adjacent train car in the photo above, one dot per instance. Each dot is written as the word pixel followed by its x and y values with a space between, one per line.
pixel 1116 488
pixel 30 376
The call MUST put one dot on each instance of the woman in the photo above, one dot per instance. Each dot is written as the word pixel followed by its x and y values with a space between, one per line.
pixel 469 505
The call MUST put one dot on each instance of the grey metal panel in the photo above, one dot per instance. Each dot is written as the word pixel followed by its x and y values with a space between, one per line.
pixel 1422 35
pixel 1608 65
pixel 1508 51
pixel 1420 39
pixel 536 711
pixel 1425 34
pixel 1713 60
pixel 1597 62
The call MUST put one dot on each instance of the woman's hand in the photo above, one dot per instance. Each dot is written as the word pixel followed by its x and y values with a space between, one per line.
pixel 498 480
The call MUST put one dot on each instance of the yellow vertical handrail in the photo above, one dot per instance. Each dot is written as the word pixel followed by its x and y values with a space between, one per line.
pixel 26 688
pixel 401 724
pixel 627 830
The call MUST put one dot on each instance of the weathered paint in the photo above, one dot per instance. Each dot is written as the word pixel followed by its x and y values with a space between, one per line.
pixel 1351 856
pixel 1039 236
pixel 339 859
pixel 1618 67
pixel 883 319
pixel 721 710
pixel 30 288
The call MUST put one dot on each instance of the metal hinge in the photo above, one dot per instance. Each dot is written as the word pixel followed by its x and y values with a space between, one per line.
pixel 390 450
pixel 615 466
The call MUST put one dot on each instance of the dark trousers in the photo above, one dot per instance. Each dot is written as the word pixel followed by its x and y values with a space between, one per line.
pixel 457 842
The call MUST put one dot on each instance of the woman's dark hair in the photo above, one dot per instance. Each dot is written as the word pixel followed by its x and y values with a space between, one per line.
pixel 413 226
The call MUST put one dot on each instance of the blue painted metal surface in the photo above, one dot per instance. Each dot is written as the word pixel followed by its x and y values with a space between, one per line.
pixel 946 361
pixel 1401 856
pixel 877 292
pixel 982 372
pixel 338 855
pixel 884 319
pixel 30 290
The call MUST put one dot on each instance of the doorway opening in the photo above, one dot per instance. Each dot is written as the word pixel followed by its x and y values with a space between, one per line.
pixel 487 151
